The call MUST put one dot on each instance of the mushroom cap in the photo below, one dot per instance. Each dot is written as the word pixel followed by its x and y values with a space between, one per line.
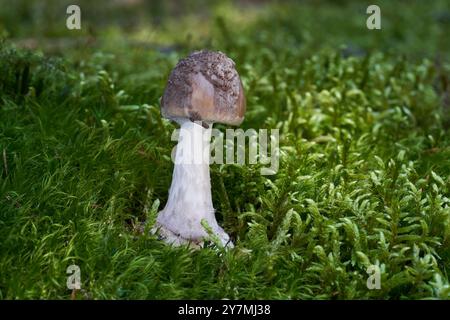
pixel 205 86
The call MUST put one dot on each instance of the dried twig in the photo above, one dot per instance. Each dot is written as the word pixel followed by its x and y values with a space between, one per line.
pixel 5 162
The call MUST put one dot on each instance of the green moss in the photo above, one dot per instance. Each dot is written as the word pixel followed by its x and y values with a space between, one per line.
pixel 364 172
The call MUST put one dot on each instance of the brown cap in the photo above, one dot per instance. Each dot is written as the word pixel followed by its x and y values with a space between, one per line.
pixel 205 87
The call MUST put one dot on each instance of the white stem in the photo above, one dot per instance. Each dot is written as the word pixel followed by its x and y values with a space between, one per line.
pixel 190 199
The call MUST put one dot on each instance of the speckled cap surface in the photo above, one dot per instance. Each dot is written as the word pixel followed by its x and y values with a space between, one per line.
pixel 205 86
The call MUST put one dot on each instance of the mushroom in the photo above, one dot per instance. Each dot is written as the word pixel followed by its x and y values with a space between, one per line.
pixel 202 89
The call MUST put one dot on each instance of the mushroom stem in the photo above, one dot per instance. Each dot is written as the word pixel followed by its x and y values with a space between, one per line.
pixel 190 201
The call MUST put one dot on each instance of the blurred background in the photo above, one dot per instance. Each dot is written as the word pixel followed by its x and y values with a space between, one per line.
pixel 415 28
